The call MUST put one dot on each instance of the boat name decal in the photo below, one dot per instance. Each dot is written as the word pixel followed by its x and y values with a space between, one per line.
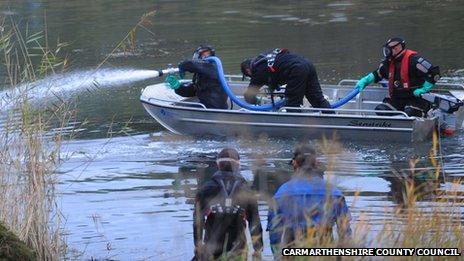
pixel 369 124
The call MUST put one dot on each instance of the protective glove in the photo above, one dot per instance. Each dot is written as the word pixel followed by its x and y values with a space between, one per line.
pixel 181 73
pixel 182 65
pixel 366 80
pixel 259 100
pixel 172 82
pixel 425 88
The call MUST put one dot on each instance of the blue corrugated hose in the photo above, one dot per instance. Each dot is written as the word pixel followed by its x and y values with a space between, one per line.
pixel 345 99
pixel 232 96
pixel 266 107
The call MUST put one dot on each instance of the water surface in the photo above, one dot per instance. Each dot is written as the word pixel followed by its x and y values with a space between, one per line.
pixel 127 184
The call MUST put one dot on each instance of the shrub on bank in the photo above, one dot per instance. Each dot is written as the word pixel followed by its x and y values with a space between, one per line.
pixel 11 248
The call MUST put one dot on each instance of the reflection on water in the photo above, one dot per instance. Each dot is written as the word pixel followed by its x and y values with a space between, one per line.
pixel 424 178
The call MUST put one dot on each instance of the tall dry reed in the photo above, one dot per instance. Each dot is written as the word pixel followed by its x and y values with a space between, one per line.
pixel 29 152
pixel 428 216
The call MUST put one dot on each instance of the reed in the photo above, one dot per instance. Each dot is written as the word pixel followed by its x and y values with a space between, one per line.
pixel 29 152
pixel 426 217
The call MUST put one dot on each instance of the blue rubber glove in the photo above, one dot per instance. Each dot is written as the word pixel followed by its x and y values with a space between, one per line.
pixel 366 80
pixel 425 88
pixel 172 82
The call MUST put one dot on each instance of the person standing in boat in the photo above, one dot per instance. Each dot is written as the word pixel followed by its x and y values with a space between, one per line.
pixel 306 207
pixel 223 205
pixel 409 75
pixel 205 83
pixel 279 67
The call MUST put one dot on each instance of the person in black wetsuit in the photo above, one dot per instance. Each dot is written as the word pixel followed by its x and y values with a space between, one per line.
pixel 409 76
pixel 223 205
pixel 280 67
pixel 205 83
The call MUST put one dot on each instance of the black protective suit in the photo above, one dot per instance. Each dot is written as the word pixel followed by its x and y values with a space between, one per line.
pixel 297 72
pixel 205 84
pixel 219 229
pixel 419 70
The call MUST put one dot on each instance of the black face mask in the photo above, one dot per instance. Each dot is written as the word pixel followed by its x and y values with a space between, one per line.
pixel 388 50
pixel 196 55
pixel 200 50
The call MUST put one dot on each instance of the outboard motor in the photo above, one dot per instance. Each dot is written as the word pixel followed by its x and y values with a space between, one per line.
pixel 443 107
pixel 445 103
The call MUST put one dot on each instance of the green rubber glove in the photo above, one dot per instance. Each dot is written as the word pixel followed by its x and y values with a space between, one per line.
pixel 366 80
pixel 259 100
pixel 172 82
pixel 425 88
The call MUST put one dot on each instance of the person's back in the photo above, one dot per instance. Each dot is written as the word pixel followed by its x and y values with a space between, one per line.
pixel 306 205
pixel 223 205
pixel 287 62
pixel 280 67
pixel 306 202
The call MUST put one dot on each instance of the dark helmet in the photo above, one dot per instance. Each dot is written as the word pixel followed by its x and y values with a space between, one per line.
pixel 246 66
pixel 391 43
pixel 228 159
pixel 203 48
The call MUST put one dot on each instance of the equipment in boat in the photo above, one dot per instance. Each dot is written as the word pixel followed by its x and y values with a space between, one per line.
pixel 446 103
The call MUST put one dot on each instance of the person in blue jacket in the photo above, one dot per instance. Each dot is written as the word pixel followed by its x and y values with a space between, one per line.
pixel 306 205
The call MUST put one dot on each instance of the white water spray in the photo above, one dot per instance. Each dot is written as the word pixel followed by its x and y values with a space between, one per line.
pixel 64 85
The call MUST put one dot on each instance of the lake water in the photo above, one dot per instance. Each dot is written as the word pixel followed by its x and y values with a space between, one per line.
pixel 127 184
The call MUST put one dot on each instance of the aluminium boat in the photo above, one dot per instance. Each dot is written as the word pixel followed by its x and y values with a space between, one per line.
pixel 355 120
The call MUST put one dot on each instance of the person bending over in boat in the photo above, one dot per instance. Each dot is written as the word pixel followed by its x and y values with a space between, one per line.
pixel 223 205
pixel 279 67
pixel 409 75
pixel 306 207
pixel 205 83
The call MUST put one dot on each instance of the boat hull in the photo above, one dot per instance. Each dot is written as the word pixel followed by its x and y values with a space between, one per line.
pixel 199 122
